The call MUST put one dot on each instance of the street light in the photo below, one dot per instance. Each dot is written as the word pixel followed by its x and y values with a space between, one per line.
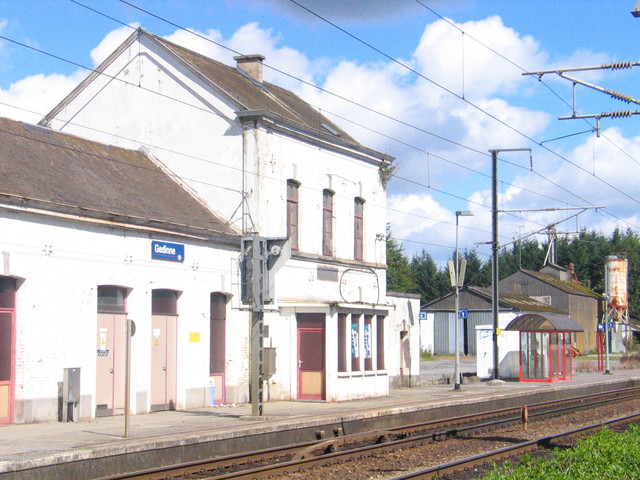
pixel 459 280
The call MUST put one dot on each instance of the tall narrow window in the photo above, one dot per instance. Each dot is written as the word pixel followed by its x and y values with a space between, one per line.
pixel 327 223
pixel 342 342
pixel 380 343
pixel 292 213
pixel 367 343
pixel 217 321
pixel 358 229
pixel 355 343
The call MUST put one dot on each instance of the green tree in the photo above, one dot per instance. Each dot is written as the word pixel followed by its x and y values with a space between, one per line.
pixel 431 283
pixel 399 274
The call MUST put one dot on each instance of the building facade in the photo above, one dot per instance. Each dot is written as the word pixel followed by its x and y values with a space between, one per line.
pixel 253 159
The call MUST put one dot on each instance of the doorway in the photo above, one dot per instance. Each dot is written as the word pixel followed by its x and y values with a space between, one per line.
pixel 7 347
pixel 311 356
pixel 164 349
pixel 111 351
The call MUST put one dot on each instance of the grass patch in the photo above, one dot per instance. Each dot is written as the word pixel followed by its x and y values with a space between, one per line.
pixel 603 456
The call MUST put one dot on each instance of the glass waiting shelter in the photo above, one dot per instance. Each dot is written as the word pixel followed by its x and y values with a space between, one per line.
pixel 545 346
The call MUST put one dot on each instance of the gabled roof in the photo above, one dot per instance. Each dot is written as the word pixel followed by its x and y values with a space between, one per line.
pixel 51 171
pixel 508 301
pixel 516 301
pixel 253 99
pixel 568 287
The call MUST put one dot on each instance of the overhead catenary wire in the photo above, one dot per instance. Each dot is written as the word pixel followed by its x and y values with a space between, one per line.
pixel 369 109
pixel 127 2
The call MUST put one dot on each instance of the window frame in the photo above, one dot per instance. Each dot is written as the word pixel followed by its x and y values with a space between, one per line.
pixel 293 213
pixel 327 222
pixel 358 228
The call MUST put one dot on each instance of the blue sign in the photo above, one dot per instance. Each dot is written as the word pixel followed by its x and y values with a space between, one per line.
pixel 167 251
pixel 423 315
pixel 611 326
pixel 463 313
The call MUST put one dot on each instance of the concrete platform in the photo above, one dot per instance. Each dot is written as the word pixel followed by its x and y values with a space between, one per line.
pixel 96 448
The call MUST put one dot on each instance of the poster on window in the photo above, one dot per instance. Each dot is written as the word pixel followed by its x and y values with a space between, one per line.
pixel 367 340
pixel 354 340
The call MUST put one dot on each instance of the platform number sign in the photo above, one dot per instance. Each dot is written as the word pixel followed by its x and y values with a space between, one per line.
pixel 463 314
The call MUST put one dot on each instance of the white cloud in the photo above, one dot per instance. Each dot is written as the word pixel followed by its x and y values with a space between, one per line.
pixel 36 95
pixel 110 42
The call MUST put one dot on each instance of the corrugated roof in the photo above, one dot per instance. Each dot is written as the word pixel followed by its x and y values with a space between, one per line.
pixel 568 287
pixel 514 301
pixel 549 322
pixel 55 171
pixel 517 301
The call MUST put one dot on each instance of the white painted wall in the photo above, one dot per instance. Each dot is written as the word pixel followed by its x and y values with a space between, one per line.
pixel 427 341
pixel 193 131
pixel 508 349
pixel 61 263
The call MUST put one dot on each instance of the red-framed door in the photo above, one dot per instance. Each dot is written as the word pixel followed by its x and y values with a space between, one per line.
pixel 311 356
pixel 7 347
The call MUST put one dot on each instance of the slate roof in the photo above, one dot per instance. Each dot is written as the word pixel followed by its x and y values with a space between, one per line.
pixel 251 97
pixel 54 171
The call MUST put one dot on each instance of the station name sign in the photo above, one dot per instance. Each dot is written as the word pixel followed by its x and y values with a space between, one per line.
pixel 167 251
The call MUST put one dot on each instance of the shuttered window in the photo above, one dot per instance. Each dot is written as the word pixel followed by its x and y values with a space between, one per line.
pixel 292 213
pixel 358 229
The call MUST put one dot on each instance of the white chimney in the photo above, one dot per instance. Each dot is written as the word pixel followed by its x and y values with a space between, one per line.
pixel 251 65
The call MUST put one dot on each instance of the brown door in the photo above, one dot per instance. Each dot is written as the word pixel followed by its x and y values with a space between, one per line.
pixel 164 353
pixel 110 364
pixel 311 356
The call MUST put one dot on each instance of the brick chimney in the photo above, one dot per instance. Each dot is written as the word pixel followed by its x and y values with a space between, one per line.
pixel 251 65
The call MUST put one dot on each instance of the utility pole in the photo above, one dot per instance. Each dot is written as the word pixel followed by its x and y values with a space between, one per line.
pixel 260 259
pixel 495 272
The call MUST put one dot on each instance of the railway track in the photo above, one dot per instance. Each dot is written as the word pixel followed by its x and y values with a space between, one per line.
pixel 270 463
pixel 452 469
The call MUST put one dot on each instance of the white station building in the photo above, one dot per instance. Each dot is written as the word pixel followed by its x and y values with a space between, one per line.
pixel 129 202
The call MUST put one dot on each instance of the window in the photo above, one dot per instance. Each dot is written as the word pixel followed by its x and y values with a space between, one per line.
pixel 342 342
pixel 380 342
pixel 7 326
pixel 327 223
pixel 111 299
pixel 292 213
pixel 355 343
pixel 366 342
pixel 358 229
pixel 217 320
pixel 164 302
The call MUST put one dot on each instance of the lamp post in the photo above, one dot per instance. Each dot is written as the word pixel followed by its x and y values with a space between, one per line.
pixel 459 280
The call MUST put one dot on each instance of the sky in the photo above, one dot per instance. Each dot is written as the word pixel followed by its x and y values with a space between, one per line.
pixel 437 84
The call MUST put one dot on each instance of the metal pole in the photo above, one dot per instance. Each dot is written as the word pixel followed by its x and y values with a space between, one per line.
pixel 127 382
pixel 495 272
pixel 494 260
pixel 456 372
pixel 257 322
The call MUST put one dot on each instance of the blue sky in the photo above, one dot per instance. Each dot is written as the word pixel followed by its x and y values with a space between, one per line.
pixel 437 84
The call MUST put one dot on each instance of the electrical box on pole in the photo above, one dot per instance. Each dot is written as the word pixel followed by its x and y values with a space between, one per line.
pixel 260 259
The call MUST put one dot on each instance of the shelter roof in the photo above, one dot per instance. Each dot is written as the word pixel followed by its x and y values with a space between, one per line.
pixel 545 322
pixel 57 172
